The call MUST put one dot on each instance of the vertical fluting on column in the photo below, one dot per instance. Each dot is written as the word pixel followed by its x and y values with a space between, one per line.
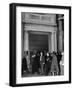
pixel 60 35
pixel 52 41
pixel 55 41
pixel 26 48
pixel 22 40
pixel 49 42
pixel 26 41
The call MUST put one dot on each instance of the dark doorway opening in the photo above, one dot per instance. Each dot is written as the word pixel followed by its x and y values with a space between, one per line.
pixel 38 41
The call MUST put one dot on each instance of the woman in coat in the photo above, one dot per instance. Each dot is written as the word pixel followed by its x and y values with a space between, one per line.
pixel 54 65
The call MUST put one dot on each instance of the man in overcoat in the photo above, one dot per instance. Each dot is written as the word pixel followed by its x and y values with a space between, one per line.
pixel 48 61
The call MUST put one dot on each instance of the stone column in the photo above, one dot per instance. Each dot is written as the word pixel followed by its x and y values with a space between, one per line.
pixel 26 41
pixel 49 42
pixel 22 41
pixel 60 36
pixel 60 41
pixel 26 48
pixel 55 41
pixel 52 42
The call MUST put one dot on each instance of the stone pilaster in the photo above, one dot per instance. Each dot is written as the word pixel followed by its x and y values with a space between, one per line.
pixel 60 35
pixel 26 41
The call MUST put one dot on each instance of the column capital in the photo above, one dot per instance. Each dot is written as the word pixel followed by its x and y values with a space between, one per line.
pixel 53 32
pixel 25 31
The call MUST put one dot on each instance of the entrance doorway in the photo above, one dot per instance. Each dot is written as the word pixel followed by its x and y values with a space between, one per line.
pixel 38 41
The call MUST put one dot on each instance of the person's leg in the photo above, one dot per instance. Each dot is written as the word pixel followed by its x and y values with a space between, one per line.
pixel 47 69
pixel 33 69
pixel 52 70
pixel 46 73
pixel 53 73
pixel 41 68
pixel 38 71
pixel 59 70
pixel 44 69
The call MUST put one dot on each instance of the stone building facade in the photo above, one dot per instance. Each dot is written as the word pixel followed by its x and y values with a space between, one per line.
pixel 42 31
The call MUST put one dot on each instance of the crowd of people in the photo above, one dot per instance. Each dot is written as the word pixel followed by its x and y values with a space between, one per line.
pixel 43 63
